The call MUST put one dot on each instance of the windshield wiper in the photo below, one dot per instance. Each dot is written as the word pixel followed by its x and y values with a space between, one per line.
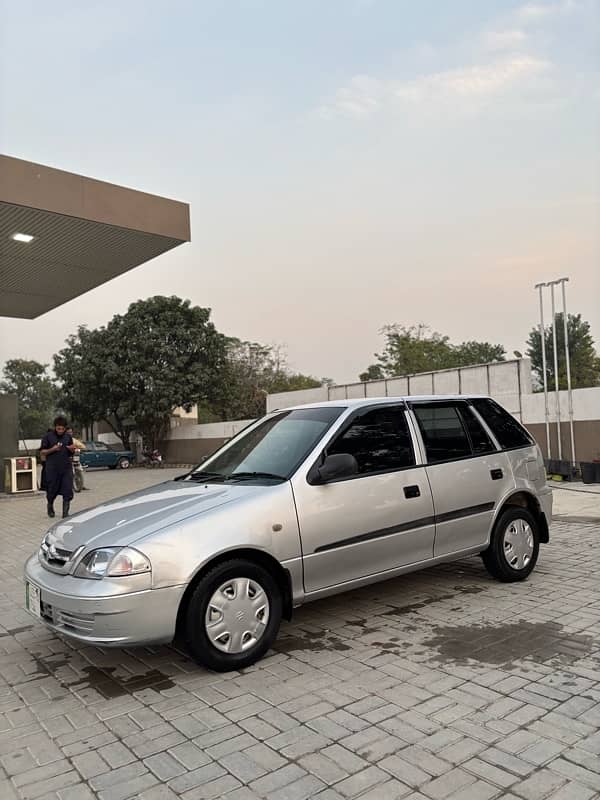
pixel 246 476
pixel 206 476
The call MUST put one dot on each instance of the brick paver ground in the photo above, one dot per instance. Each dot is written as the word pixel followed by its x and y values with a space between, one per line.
pixel 441 684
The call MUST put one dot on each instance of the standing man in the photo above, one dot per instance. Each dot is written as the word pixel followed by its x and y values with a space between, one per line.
pixel 79 446
pixel 57 448
pixel 43 463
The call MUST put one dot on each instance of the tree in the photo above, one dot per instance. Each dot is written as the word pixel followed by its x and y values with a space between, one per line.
pixel 585 362
pixel 36 393
pixel 85 392
pixel 471 353
pixel 374 372
pixel 162 354
pixel 293 382
pixel 413 349
pixel 416 348
pixel 252 371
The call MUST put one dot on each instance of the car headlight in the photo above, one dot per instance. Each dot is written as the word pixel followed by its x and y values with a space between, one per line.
pixel 112 562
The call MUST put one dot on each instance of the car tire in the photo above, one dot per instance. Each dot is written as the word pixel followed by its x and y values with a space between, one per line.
pixel 514 546
pixel 233 589
pixel 124 463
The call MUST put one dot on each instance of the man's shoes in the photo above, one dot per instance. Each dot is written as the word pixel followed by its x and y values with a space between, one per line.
pixel 66 507
pixel 51 513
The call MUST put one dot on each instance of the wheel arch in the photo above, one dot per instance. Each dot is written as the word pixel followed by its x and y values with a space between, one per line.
pixel 280 573
pixel 527 500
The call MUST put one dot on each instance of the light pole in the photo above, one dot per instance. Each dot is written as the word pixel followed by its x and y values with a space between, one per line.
pixel 551 284
pixel 540 287
pixel 562 282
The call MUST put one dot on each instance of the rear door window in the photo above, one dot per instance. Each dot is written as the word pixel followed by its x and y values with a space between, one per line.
pixel 444 435
pixel 509 433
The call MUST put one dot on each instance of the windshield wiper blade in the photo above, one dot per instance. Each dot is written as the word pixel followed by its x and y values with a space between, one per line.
pixel 245 476
pixel 206 476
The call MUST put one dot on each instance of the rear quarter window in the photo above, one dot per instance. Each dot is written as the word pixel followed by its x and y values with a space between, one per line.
pixel 509 433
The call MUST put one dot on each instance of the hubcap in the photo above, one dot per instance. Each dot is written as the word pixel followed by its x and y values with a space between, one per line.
pixel 237 615
pixel 518 544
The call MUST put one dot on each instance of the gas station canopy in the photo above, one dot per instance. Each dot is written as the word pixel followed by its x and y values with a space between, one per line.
pixel 62 234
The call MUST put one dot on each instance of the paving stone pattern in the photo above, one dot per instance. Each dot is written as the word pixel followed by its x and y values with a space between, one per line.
pixel 441 684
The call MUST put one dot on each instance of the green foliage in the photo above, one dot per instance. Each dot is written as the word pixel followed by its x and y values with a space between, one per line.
pixel 585 362
pixel 413 349
pixel 374 372
pixel 252 371
pixel 79 368
pixel 163 353
pixel 470 353
pixel 36 394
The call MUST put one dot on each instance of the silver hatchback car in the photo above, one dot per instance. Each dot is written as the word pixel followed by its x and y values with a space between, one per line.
pixel 305 502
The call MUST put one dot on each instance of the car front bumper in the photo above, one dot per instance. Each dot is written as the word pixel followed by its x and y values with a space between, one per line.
pixel 134 618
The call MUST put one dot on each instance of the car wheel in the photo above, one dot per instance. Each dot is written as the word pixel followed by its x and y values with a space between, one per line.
pixel 233 616
pixel 514 546
pixel 124 463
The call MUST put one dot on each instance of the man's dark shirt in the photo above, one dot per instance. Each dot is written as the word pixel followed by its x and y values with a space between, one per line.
pixel 61 459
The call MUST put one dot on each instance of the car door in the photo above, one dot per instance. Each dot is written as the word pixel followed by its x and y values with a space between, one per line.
pixel 104 456
pixel 467 473
pixel 375 521
pixel 88 456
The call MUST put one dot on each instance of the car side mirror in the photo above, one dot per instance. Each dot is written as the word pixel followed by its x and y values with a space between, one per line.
pixel 334 467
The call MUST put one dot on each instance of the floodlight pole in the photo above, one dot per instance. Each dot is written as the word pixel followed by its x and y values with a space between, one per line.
pixel 562 282
pixel 555 348
pixel 540 287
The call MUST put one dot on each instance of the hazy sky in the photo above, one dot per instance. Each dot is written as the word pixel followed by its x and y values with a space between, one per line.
pixel 349 163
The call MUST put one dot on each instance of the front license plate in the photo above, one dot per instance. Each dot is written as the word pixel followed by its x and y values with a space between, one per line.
pixel 32 599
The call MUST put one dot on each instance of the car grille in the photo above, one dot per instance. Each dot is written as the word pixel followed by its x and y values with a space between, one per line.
pixel 82 624
pixel 55 558
pixel 68 621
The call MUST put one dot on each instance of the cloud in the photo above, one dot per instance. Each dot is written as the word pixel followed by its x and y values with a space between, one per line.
pixel 506 60
pixel 477 80
pixel 513 39
pixel 364 95
pixel 534 12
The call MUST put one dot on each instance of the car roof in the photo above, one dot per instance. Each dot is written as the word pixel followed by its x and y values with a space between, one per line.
pixel 369 401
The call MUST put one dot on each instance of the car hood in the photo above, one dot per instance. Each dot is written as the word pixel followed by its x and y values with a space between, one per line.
pixel 127 519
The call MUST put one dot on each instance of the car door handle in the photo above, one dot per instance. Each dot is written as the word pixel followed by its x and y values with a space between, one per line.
pixel 496 474
pixel 412 491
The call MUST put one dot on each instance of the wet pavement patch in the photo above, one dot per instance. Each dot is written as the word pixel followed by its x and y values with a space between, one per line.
pixel 110 685
pixel 15 631
pixel 399 611
pixel 320 641
pixel 315 642
pixel 539 642
pixel 103 680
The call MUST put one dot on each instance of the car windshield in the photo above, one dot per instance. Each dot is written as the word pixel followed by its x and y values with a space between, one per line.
pixel 272 450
